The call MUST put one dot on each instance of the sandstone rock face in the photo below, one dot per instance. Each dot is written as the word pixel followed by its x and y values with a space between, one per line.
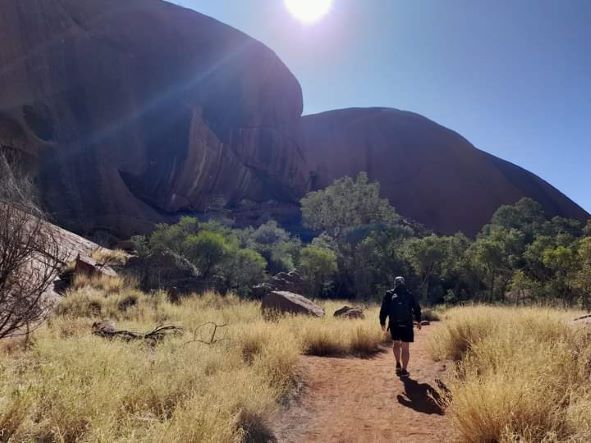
pixel 429 173
pixel 284 302
pixel 132 112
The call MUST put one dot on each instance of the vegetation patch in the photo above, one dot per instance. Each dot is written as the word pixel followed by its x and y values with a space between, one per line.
pixel 67 384
pixel 522 374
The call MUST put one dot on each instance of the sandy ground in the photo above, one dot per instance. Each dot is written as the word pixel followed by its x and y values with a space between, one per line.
pixel 362 400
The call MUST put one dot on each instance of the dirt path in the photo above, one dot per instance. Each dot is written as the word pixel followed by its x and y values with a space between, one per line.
pixel 361 400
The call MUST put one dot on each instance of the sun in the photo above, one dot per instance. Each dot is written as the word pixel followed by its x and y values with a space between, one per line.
pixel 308 11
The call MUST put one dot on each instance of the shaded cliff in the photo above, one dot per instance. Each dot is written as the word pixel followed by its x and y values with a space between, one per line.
pixel 137 109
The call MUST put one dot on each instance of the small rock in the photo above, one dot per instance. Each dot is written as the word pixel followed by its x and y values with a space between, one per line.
pixel 89 266
pixel 350 313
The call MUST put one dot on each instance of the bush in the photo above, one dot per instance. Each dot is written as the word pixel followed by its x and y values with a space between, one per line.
pixel 318 266
pixel 207 250
pixel 243 269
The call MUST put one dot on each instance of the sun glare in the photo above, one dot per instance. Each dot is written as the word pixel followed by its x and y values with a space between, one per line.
pixel 308 11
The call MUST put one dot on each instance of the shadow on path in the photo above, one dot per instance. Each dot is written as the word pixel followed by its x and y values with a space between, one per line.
pixel 421 397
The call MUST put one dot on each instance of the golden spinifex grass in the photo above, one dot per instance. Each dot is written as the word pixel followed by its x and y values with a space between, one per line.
pixel 69 385
pixel 522 374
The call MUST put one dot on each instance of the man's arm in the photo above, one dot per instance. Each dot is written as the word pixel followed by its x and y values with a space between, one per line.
pixel 384 310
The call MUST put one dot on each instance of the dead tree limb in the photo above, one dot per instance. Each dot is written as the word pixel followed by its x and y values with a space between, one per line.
pixel 212 337
pixel 107 330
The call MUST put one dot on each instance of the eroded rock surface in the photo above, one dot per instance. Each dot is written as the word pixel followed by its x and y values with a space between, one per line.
pixel 135 110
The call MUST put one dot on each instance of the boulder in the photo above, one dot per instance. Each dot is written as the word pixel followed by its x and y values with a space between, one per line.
pixel 288 281
pixel 284 302
pixel 350 313
pixel 283 281
pixel 260 291
pixel 90 267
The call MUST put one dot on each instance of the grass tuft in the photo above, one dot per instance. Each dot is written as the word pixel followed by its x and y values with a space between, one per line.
pixel 522 374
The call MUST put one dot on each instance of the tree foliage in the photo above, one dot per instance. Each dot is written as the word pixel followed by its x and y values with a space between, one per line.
pixel 318 266
pixel 362 245
pixel 347 203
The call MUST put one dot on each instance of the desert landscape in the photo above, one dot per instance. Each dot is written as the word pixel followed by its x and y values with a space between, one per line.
pixel 188 254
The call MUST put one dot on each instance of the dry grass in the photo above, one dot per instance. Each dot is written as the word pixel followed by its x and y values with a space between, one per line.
pixel 523 374
pixel 110 257
pixel 68 385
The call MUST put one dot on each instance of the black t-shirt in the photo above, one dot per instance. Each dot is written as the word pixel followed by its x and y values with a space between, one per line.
pixel 400 306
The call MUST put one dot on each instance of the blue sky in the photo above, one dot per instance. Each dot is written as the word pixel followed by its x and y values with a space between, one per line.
pixel 512 76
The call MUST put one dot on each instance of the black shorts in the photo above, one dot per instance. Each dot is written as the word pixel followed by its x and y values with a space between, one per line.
pixel 403 333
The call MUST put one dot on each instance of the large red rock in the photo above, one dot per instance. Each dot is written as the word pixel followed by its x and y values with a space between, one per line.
pixel 131 112
pixel 429 173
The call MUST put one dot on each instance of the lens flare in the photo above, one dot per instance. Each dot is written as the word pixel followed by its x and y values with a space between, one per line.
pixel 308 11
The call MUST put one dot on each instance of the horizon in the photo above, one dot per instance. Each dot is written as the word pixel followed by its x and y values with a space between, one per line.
pixel 527 92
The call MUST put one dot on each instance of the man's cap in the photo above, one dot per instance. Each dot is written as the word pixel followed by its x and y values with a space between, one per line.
pixel 399 281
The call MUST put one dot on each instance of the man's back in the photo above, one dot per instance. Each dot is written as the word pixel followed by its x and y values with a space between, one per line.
pixel 400 306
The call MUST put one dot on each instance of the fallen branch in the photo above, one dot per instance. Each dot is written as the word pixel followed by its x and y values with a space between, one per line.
pixel 212 338
pixel 107 330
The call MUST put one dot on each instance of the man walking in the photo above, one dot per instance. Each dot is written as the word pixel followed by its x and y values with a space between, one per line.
pixel 400 306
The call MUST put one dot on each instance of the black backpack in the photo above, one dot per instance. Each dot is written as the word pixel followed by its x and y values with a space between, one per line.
pixel 401 307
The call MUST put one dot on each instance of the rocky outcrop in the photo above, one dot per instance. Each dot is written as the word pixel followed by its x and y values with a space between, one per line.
pixel 283 302
pixel 132 112
pixel 89 266
pixel 284 281
pixel 429 173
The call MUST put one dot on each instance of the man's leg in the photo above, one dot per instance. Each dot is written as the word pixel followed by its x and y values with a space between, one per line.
pixel 396 349
pixel 405 354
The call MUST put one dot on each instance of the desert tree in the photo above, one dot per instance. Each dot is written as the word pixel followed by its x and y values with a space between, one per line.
pixel 318 266
pixel 347 203
pixel 426 256
pixel 30 254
